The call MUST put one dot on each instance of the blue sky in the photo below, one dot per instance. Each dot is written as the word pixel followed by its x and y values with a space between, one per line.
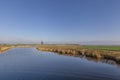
pixel 61 21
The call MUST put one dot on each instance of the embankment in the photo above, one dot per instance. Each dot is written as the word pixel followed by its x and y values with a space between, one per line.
pixel 76 50
pixel 4 48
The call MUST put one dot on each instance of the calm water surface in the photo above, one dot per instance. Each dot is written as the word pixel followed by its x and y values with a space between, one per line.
pixel 30 64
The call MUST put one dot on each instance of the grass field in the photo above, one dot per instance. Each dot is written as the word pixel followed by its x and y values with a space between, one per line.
pixel 110 48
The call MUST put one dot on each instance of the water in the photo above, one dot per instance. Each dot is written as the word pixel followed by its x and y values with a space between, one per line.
pixel 30 64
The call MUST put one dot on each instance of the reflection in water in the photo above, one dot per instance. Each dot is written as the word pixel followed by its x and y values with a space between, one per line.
pixel 30 64
pixel 106 61
pixel 111 62
pixel 3 51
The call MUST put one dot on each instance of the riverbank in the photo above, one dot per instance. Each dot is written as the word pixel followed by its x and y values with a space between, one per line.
pixel 4 48
pixel 77 50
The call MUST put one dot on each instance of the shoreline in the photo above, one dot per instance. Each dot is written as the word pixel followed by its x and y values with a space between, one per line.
pixel 4 48
pixel 73 50
pixel 78 51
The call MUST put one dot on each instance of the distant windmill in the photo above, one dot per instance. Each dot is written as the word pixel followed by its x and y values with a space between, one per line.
pixel 42 42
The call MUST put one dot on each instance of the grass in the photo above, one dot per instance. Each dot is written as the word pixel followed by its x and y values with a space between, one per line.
pixel 4 48
pixel 101 52
pixel 109 48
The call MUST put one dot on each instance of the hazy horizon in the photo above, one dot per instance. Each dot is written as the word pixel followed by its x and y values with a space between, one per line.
pixel 60 21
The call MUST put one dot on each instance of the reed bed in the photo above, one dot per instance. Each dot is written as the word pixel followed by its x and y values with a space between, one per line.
pixel 4 48
pixel 76 50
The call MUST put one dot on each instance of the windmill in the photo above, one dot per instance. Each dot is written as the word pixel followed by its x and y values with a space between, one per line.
pixel 42 42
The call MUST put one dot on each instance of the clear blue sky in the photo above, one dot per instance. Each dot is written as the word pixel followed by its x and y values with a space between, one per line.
pixel 59 20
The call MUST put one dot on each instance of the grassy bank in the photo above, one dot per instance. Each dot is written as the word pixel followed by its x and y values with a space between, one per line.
pixel 4 48
pixel 106 52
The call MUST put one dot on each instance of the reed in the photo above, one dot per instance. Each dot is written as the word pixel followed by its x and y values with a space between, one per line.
pixel 76 50
pixel 4 48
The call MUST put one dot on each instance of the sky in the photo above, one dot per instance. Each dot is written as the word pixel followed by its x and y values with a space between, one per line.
pixel 59 21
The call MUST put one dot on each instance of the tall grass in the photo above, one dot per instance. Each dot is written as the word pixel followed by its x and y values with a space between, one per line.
pixel 84 51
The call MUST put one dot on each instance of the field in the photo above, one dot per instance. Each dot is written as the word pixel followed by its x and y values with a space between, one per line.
pixel 91 47
pixel 109 48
